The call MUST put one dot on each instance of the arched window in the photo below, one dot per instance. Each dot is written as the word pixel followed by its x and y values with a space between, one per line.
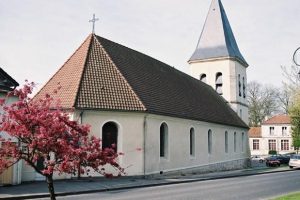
pixel 192 142
pixel 163 140
pixel 219 83
pixel 244 88
pixel 203 78
pixel 226 142
pixel 209 142
pixel 243 141
pixel 234 141
pixel 241 113
pixel 240 93
pixel 110 136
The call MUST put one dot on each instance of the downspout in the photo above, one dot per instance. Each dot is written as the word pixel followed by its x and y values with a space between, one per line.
pixel 144 144
pixel 80 121
pixel 81 116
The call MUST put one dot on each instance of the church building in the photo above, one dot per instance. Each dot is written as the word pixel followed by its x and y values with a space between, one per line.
pixel 162 119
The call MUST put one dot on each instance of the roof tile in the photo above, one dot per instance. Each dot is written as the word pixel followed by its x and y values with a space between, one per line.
pixel 278 119
pixel 255 132
pixel 108 76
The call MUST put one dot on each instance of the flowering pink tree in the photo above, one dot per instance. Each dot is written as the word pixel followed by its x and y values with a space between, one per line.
pixel 47 134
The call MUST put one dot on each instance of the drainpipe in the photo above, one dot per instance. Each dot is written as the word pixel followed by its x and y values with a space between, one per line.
pixel 80 121
pixel 144 144
pixel 81 116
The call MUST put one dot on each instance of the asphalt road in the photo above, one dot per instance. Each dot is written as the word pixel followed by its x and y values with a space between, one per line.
pixel 240 188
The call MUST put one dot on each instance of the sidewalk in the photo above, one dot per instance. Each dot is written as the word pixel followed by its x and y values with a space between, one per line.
pixel 68 187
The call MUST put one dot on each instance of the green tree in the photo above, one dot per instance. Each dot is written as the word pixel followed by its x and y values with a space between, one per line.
pixel 262 101
pixel 295 121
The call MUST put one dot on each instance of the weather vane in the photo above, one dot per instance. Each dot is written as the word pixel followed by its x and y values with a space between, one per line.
pixel 93 21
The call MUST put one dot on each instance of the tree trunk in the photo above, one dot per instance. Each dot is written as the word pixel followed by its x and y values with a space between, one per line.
pixel 78 172
pixel 51 187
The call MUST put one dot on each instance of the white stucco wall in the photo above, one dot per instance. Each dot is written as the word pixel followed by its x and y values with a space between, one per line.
pixel 230 70
pixel 140 130
pixel 130 135
pixel 178 144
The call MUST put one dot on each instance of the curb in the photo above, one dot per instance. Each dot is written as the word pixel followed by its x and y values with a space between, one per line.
pixel 144 186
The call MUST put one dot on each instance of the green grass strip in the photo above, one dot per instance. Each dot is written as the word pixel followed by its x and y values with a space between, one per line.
pixel 292 196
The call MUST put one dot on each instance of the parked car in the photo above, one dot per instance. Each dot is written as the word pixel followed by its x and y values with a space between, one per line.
pixel 294 161
pixel 258 158
pixel 272 161
pixel 284 159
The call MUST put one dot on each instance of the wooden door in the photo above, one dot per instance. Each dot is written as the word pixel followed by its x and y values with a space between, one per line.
pixel 6 178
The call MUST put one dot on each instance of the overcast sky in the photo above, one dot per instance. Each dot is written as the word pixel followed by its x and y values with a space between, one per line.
pixel 38 36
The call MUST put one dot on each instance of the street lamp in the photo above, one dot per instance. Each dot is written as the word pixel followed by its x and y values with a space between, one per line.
pixel 296 59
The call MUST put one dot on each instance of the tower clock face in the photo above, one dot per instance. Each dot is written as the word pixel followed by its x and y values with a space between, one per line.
pixel 296 57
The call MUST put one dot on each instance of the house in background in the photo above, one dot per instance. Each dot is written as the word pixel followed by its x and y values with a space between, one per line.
pixel 13 174
pixel 274 134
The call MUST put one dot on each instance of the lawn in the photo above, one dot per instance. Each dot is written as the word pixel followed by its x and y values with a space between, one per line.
pixel 293 196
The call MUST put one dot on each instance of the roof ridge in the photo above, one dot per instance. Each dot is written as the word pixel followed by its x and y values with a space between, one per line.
pixel 62 66
pixel 166 65
pixel 179 73
pixel 92 35
pixel 122 76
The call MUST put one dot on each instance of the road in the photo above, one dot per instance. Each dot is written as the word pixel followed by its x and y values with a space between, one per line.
pixel 247 188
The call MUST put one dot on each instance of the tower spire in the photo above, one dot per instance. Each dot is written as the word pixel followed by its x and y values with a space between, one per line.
pixel 217 39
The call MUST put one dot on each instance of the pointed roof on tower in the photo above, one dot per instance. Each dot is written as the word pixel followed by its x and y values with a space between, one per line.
pixel 104 75
pixel 217 39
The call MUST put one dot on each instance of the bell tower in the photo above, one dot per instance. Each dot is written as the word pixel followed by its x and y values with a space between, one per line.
pixel 218 62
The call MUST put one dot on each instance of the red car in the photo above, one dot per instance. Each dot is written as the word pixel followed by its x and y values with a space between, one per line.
pixel 272 162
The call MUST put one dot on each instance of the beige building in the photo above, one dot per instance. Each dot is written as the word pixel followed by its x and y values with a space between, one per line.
pixel 274 134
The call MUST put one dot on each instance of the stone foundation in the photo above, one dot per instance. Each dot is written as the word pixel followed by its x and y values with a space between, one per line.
pixel 216 167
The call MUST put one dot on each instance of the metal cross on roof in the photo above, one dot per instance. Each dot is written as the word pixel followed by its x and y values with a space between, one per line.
pixel 93 21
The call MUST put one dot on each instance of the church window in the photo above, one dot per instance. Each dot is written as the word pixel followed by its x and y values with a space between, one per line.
pixel 226 142
pixel 234 142
pixel 240 85
pixel 244 88
pixel 209 141
pixel 219 83
pixel 203 78
pixel 40 163
pixel 110 136
pixel 163 140
pixel 192 142
pixel 243 142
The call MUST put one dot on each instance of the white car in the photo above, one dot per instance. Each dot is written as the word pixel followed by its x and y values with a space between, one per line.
pixel 258 158
pixel 294 161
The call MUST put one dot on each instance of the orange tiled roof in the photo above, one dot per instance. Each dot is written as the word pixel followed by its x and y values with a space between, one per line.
pixel 278 119
pixel 104 75
pixel 255 132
